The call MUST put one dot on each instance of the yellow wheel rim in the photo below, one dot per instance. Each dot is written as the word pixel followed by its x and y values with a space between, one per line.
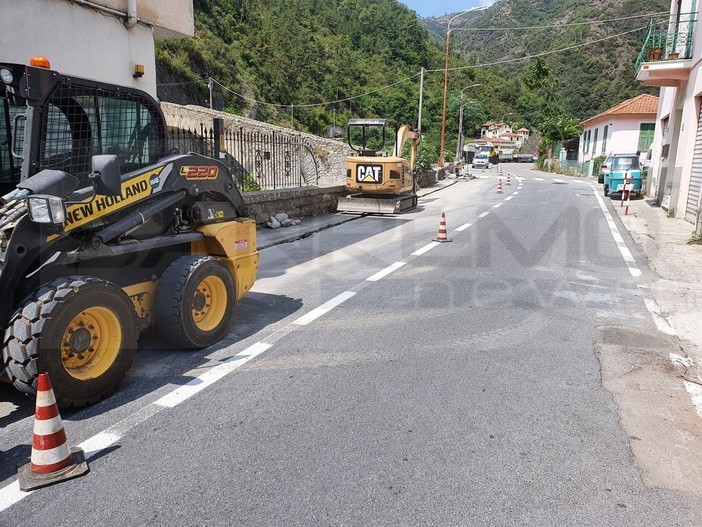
pixel 91 343
pixel 209 303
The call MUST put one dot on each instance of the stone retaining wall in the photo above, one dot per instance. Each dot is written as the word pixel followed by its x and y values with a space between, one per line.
pixel 297 203
pixel 330 154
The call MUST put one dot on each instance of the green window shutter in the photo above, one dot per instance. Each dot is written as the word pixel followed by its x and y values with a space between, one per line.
pixel 604 139
pixel 646 132
pixel 594 143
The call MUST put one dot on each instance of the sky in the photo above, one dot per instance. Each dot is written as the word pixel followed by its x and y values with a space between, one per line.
pixel 427 8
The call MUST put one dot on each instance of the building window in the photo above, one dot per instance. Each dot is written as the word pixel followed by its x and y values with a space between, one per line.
pixel 604 138
pixel 646 136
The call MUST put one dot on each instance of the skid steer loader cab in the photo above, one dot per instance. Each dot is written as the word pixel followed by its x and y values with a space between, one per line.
pixel 102 234
pixel 379 178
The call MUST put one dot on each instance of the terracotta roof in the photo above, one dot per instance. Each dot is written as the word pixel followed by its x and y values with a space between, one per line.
pixel 523 130
pixel 640 105
pixel 509 134
pixel 489 123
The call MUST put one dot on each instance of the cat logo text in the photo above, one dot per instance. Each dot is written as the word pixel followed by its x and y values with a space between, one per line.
pixel 192 173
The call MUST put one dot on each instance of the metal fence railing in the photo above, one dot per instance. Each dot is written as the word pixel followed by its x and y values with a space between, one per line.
pixel 258 160
pixel 668 40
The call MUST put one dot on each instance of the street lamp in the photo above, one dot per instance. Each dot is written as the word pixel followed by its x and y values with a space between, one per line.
pixel 448 38
pixel 502 121
pixel 459 147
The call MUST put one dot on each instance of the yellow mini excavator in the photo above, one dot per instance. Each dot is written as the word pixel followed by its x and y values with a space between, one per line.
pixel 379 180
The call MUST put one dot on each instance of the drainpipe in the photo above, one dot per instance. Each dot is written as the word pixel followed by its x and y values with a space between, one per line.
pixel 131 20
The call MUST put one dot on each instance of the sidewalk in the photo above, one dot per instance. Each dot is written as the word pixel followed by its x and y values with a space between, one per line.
pixel 266 237
pixel 678 266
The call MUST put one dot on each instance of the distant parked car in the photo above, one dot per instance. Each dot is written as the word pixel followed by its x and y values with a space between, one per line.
pixel 481 160
pixel 623 167
pixel 604 169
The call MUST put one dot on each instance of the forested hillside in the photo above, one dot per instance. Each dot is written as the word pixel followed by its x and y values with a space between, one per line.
pixel 590 78
pixel 315 63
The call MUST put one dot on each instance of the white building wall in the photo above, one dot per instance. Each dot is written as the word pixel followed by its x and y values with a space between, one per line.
pixel 622 137
pixel 81 41
pixel 680 105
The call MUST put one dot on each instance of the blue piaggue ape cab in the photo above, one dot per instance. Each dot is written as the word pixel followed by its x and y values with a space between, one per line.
pixel 623 167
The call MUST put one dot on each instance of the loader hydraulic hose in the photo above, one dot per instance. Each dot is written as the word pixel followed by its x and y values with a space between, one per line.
pixel 138 218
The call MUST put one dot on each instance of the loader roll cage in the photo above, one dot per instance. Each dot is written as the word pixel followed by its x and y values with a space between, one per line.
pixel 55 121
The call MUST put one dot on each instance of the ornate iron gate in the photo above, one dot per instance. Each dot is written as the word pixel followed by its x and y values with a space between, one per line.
pixel 261 160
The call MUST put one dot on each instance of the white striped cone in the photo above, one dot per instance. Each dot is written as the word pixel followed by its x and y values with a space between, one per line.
pixel 442 236
pixel 52 460
pixel 499 186
pixel 508 180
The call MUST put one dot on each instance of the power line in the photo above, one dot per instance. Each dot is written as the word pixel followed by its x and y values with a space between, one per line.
pixel 550 26
pixel 411 77
pixel 312 105
pixel 199 81
pixel 543 54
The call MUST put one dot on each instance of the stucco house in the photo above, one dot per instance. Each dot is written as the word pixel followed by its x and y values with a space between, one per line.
pixel 671 58
pixel 626 128
pixel 502 137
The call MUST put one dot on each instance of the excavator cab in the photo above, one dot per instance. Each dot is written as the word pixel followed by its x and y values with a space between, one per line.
pixel 378 178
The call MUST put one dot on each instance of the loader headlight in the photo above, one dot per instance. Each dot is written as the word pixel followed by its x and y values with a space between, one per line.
pixel 6 76
pixel 46 209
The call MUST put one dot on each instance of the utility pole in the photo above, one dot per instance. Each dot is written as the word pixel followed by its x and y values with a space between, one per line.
pixel 421 101
pixel 446 67
pixel 459 146
pixel 210 85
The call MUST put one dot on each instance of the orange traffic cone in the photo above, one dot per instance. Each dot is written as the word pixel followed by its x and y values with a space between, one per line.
pixel 52 460
pixel 499 186
pixel 442 236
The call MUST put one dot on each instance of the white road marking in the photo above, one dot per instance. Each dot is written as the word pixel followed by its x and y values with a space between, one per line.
pixel 324 308
pixel 510 197
pixel 557 181
pixel 658 319
pixel 539 179
pixel 382 274
pixel 623 249
pixel 694 390
pixel 425 249
pixel 98 443
pixel 11 494
pixel 461 228
pixel 211 376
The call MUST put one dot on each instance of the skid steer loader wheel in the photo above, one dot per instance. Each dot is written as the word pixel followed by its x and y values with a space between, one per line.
pixel 81 331
pixel 195 302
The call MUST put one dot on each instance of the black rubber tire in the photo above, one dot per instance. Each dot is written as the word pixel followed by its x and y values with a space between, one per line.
pixel 174 301
pixel 32 343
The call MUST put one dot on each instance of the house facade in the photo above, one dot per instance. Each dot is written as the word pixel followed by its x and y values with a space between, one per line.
pixel 108 40
pixel 626 128
pixel 671 59
pixel 501 136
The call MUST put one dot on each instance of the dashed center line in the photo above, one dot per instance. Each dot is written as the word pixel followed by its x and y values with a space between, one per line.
pixel 11 494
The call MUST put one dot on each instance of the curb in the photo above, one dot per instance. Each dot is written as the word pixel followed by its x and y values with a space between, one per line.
pixel 333 221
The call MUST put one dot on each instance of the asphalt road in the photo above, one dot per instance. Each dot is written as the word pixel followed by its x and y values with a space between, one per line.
pixel 377 378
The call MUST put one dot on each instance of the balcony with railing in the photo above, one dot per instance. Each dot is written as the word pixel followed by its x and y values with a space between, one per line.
pixel 665 57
